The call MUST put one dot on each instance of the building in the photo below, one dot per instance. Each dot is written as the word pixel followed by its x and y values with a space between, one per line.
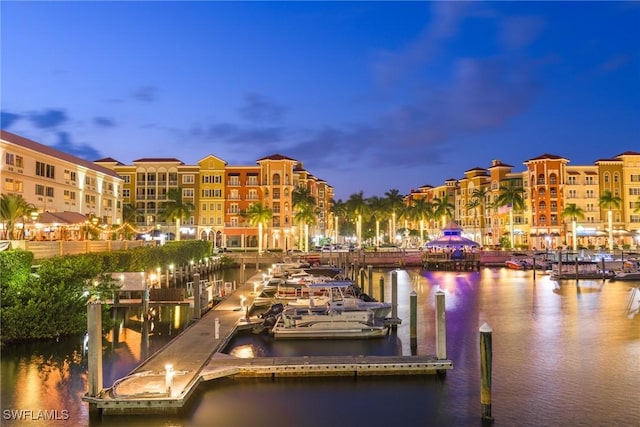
pixel 57 182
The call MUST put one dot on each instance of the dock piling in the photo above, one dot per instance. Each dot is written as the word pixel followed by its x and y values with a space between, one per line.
pixel 394 296
pixel 197 311
pixel 441 328
pixel 382 289
pixel 413 334
pixel 370 278
pixel 485 371
pixel 94 326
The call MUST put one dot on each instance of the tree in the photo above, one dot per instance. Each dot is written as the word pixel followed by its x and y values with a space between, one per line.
pixel 177 209
pixel 443 208
pixel 480 195
pixel 608 201
pixel 357 208
pixel 421 211
pixel 512 197
pixel 14 208
pixel 395 204
pixel 377 210
pixel 574 212
pixel 338 210
pixel 306 211
pixel 259 215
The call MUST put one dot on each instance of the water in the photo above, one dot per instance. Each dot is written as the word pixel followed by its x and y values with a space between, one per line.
pixel 563 355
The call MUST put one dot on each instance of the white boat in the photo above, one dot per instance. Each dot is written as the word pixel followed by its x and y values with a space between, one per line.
pixel 327 323
pixel 626 276
pixel 341 295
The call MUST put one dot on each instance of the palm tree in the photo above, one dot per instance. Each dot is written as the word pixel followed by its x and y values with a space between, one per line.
pixel 472 205
pixel 377 210
pixel 421 211
pixel 176 209
pixel 443 208
pixel 339 211
pixel 480 194
pixel 306 212
pixel 14 207
pixel 259 215
pixel 395 204
pixel 574 212
pixel 357 208
pixel 608 201
pixel 511 196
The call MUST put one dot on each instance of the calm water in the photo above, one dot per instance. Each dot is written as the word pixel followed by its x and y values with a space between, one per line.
pixel 563 355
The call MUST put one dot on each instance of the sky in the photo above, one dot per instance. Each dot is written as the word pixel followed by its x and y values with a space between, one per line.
pixel 369 96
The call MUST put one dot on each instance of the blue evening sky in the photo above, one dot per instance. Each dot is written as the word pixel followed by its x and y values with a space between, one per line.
pixel 370 96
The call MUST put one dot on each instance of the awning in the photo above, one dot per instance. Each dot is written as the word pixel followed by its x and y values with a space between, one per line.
pixel 62 218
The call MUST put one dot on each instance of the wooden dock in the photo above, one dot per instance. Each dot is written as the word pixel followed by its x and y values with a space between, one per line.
pixel 164 383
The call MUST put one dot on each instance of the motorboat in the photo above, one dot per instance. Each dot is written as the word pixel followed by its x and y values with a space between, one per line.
pixel 517 264
pixel 626 276
pixel 341 295
pixel 327 323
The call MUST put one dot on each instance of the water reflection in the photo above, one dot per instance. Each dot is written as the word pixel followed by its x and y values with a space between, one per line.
pixel 554 348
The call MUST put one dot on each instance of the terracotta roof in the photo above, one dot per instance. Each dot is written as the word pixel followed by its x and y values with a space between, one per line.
pixel 277 157
pixel 50 151
pixel 547 156
pixel 158 160
pixel 109 160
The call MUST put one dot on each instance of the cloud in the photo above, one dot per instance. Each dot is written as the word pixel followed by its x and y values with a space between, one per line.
pixel 520 31
pixel 146 94
pixel 83 151
pixel 104 122
pixel 390 67
pixel 47 119
pixel 257 108
pixel 7 119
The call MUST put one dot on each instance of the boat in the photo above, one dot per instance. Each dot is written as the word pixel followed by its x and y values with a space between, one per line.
pixel 327 323
pixel 580 270
pixel 626 276
pixel 341 295
pixel 517 264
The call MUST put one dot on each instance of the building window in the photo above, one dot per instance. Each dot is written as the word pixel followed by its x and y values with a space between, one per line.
pixel 276 179
pixel 45 170
pixel 39 190
pixel 187 179
pixel 187 192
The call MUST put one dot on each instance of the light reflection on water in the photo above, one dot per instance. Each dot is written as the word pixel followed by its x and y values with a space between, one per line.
pixel 564 354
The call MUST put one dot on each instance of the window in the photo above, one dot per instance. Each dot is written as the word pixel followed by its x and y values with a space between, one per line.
pixel 276 193
pixel 276 179
pixel 49 191
pixel 9 159
pixel 126 193
pixel 45 170
pixel 187 192
pixel 39 190
pixel 187 179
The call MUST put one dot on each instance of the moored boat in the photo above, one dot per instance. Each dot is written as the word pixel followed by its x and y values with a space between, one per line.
pixel 327 323
pixel 626 276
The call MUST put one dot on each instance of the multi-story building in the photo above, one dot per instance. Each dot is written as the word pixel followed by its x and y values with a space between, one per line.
pixel 57 182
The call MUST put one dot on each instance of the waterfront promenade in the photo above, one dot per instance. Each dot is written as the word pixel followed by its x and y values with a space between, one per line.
pixel 164 382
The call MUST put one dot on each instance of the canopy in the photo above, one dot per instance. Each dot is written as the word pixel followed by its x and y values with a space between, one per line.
pixel 451 238
pixel 62 218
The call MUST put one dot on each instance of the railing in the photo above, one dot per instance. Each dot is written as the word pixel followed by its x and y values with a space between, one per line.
pixel 50 249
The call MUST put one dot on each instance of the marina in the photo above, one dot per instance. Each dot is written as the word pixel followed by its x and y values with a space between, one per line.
pixel 168 379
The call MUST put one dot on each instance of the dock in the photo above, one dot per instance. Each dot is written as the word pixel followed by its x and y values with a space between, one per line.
pixel 164 383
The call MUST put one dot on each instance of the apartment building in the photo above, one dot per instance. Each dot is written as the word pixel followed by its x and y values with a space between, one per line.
pixel 57 182
pixel 548 185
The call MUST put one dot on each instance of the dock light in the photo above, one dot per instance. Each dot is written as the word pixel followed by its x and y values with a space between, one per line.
pixel 168 378
pixel 242 300
pixel 255 288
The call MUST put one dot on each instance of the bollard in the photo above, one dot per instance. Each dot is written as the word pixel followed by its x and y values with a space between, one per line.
pixel 217 328
pixel 441 328
pixel 534 267
pixel 370 277
pixel 381 289
pixel 413 329
pixel 394 296
pixel 485 371
pixel 94 327
pixel 197 311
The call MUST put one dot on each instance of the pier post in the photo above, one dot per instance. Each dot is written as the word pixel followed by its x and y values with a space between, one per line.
pixel 216 328
pixel 577 270
pixel 413 328
pixel 441 327
pixel 94 362
pixel 382 289
pixel 485 371
pixel 604 273
pixel 534 267
pixel 370 278
pixel 394 296
pixel 196 296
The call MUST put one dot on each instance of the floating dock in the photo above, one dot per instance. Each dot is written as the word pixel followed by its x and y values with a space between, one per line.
pixel 164 383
